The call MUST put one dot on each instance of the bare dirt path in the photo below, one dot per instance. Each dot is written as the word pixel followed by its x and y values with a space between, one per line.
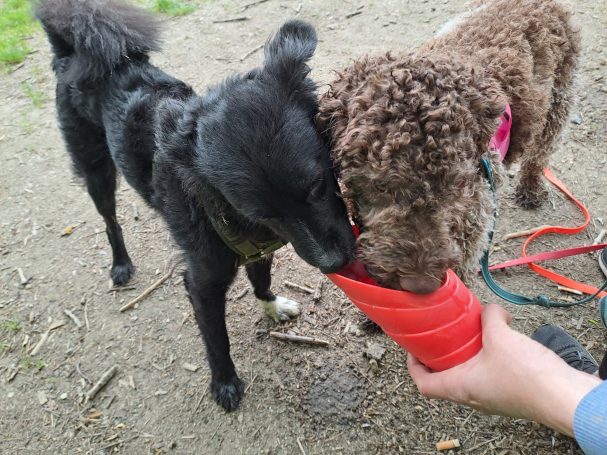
pixel 299 399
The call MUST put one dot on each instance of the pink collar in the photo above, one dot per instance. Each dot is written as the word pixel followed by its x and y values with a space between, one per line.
pixel 501 138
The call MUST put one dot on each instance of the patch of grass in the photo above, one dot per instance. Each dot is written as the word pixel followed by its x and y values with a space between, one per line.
pixel 25 363
pixel 12 325
pixel 172 7
pixel 16 23
pixel 37 97
pixel 26 126
pixel 40 364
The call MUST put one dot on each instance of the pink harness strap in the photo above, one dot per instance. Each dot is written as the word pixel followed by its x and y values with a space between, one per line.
pixel 501 138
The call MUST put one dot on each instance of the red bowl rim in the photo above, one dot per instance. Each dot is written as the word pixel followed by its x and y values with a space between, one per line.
pixel 417 300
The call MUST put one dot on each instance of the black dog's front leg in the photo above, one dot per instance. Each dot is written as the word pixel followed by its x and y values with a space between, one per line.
pixel 207 286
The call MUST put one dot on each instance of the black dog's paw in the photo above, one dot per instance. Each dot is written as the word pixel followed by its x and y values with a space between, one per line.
pixel 121 273
pixel 228 394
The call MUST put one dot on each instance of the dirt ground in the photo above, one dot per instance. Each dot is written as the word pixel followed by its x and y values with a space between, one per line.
pixel 299 399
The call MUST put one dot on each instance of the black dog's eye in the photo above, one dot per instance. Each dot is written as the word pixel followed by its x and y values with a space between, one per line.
pixel 318 189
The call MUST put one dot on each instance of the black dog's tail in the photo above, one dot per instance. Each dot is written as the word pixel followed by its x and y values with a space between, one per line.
pixel 96 35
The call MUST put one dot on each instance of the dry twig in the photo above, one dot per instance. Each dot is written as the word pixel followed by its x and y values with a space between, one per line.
pixel 22 277
pixel 14 373
pixel 45 336
pixel 242 293
pixel 149 290
pixel 298 287
pixel 599 238
pixel 251 52
pixel 299 339
pixel 231 19
pixel 73 317
pixel 569 290
pixel 525 233
pixel 301 449
pixel 249 5
pixel 107 376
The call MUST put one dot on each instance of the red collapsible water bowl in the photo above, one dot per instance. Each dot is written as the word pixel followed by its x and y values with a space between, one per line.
pixel 441 329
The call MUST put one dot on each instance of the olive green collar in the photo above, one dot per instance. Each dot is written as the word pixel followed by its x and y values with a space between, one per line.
pixel 248 249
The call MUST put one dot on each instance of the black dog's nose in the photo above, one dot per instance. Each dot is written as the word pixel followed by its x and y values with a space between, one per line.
pixel 332 263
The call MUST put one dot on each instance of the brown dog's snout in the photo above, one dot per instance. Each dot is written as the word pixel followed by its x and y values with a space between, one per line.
pixel 419 284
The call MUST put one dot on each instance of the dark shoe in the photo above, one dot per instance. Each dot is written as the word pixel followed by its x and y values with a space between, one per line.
pixel 566 347
pixel 603 310
pixel 603 260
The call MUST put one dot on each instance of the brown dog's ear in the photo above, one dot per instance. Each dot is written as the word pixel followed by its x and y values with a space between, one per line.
pixel 486 102
pixel 488 105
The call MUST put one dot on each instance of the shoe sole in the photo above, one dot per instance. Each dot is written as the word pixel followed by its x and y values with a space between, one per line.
pixel 602 261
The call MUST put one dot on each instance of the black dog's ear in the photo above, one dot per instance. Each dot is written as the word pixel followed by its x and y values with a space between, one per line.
pixel 287 52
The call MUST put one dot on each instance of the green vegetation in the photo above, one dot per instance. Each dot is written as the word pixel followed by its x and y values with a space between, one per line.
pixel 172 7
pixel 12 326
pixel 37 97
pixel 16 23
pixel 25 363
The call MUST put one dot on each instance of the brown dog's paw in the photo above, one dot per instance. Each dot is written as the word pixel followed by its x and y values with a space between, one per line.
pixel 529 198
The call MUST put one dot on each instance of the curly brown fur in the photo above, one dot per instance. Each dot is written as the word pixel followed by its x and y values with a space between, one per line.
pixel 408 132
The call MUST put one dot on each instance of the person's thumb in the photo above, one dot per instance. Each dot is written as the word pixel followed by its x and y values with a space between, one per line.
pixel 429 384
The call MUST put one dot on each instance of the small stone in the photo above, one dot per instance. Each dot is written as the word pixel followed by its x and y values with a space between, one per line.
pixel 355 330
pixel 576 118
pixel 42 399
pixel 190 367
pixel 375 351
pixel 63 396
pixel 240 418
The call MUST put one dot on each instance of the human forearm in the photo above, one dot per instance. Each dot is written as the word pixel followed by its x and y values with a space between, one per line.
pixel 555 395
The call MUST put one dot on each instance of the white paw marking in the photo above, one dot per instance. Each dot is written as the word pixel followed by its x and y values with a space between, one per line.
pixel 281 308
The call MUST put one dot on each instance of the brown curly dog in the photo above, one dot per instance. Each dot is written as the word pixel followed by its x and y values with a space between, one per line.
pixel 408 133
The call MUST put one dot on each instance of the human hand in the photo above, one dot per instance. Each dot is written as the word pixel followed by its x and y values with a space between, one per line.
pixel 512 375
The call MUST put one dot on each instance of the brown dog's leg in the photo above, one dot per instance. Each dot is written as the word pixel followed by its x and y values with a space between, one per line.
pixel 528 123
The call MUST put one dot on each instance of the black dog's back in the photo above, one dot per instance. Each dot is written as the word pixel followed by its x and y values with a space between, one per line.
pixel 106 89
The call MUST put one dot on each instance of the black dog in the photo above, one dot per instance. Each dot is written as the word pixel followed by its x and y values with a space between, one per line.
pixel 234 173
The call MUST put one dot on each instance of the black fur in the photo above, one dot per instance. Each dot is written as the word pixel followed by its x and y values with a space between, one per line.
pixel 248 147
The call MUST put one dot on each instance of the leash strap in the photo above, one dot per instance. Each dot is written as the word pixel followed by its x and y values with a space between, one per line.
pixel 541 300
pixel 553 276
pixel 548 255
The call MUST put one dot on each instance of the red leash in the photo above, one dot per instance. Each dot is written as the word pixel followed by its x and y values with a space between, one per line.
pixel 553 276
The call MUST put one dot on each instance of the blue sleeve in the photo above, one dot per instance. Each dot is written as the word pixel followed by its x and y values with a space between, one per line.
pixel 590 421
